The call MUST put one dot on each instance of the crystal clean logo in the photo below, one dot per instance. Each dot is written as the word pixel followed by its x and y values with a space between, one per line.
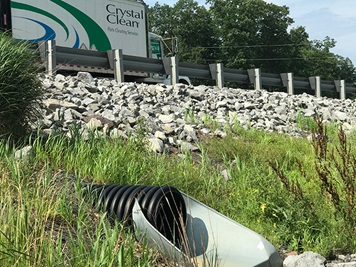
pixel 124 17
pixel 96 35
pixel 49 32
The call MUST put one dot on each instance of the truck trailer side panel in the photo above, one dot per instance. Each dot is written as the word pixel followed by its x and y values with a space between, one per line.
pixel 91 24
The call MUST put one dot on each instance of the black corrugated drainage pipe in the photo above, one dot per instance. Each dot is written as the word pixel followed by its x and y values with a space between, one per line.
pixel 184 229
pixel 163 206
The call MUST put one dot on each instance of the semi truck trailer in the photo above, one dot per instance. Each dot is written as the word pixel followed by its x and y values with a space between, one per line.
pixel 99 25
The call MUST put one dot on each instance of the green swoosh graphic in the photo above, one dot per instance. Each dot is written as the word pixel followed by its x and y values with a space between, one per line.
pixel 96 34
pixel 40 11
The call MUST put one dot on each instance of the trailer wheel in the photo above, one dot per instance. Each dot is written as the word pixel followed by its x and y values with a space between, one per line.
pixel 183 82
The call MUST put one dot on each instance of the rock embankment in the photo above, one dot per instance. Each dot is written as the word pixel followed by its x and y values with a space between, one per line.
pixel 175 116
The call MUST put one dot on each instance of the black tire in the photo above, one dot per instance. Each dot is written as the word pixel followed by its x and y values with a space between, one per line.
pixel 183 82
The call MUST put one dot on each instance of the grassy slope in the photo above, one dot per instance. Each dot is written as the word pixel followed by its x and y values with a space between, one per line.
pixel 46 222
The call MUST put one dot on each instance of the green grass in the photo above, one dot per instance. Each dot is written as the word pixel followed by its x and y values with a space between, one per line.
pixel 20 87
pixel 46 222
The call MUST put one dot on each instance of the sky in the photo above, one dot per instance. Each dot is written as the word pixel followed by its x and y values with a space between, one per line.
pixel 321 18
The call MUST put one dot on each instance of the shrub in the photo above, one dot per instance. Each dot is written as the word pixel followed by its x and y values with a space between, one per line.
pixel 20 87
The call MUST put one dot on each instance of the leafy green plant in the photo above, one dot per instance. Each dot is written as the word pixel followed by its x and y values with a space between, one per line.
pixel 334 174
pixel 20 87
pixel 210 122
pixel 305 123
pixel 189 115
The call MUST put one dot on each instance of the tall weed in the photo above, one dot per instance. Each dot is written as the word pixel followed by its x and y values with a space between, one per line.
pixel 333 178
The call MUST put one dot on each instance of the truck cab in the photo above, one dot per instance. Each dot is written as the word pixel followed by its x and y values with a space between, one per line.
pixel 156 51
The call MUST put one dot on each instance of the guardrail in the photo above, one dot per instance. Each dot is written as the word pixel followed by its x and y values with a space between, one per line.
pixel 116 63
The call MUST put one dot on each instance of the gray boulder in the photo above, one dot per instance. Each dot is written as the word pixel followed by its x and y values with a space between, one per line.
pixel 307 259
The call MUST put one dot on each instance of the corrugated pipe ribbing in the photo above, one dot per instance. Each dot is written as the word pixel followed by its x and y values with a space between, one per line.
pixel 163 206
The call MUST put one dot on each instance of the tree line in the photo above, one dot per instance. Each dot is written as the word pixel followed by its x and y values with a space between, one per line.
pixel 245 34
